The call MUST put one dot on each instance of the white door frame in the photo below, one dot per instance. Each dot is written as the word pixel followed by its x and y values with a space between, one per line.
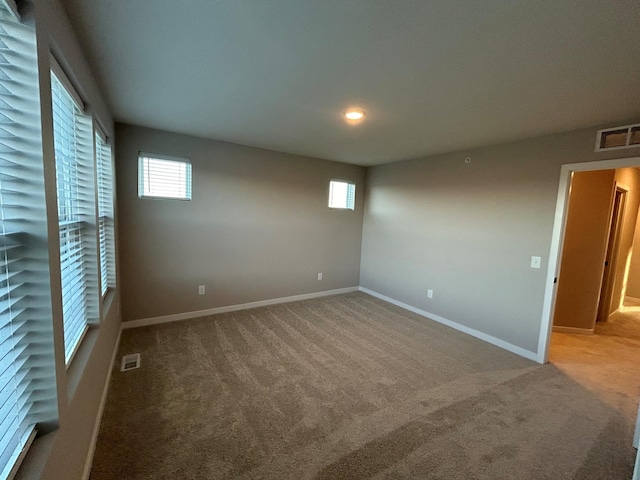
pixel 557 241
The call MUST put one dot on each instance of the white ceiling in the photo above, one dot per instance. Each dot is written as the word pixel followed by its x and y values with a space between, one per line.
pixel 434 76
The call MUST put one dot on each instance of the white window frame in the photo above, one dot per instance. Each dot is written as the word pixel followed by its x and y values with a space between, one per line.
pixel 106 227
pixel 342 200
pixel 160 186
pixel 77 215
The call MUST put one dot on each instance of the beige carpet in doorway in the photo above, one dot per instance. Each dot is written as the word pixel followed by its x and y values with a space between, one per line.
pixel 347 387
pixel 605 363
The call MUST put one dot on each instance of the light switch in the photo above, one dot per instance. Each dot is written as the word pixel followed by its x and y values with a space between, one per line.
pixel 535 262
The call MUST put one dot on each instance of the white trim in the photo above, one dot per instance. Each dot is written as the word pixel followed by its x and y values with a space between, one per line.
pixel 77 347
pixel 143 322
pixel 99 130
pixel 557 240
pixel 160 156
pixel 23 453
pixel 60 74
pixel 462 328
pixel 577 330
pixel 553 268
pixel 96 426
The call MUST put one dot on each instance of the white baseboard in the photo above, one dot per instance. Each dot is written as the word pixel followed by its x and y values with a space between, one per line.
pixel 96 426
pixel 262 303
pixel 581 331
pixel 449 323
pixel 144 322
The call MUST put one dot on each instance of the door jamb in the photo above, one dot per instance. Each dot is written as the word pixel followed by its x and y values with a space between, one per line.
pixel 609 281
pixel 557 241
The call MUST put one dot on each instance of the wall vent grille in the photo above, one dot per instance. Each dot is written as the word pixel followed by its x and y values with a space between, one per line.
pixel 619 137
pixel 129 362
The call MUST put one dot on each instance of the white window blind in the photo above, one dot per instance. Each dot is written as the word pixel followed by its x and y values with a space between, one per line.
pixel 27 376
pixel 342 194
pixel 164 177
pixel 105 214
pixel 75 177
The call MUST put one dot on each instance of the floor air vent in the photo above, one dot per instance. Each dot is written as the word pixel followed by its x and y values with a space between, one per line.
pixel 129 362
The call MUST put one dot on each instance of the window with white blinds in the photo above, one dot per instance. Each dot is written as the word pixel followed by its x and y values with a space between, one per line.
pixel 75 178
pixel 27 376
pixel 342 194
pixel 160 176
pixel 105 214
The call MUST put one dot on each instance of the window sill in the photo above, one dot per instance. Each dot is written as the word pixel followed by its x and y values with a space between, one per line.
pixel 82 355
pixel 107 302
pixel 36 457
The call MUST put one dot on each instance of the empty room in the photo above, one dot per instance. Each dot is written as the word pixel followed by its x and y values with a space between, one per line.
pixel 319 240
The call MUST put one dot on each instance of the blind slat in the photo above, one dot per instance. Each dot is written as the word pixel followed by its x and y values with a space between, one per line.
pixel 26 348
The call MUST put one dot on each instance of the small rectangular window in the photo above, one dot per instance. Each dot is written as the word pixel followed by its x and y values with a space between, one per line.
pixel 342 194
pixel 613 138
pixel 619 137
pixel 160 176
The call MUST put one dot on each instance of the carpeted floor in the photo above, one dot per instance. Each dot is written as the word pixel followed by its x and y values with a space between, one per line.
pixel 605 363
pixel 347 387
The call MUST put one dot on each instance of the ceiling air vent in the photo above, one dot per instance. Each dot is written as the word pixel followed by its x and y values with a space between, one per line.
pixel 129 362
pixel 619 137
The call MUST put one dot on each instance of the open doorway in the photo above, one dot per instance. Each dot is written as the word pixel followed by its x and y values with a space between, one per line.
pixel 591 325
pixel 558 238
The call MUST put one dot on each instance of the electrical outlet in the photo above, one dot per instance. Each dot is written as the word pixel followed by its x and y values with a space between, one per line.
pixel 201 290
pixel 319 275
pixel 429 293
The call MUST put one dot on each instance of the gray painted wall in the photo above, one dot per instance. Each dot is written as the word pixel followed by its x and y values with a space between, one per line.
pixel 468 231
pixel 62 454
pixel 257 227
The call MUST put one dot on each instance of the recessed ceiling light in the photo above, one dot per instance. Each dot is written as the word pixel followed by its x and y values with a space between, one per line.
pixel 354 114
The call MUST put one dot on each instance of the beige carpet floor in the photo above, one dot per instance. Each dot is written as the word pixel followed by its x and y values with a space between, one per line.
pixel 606 363
pixel 348 387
